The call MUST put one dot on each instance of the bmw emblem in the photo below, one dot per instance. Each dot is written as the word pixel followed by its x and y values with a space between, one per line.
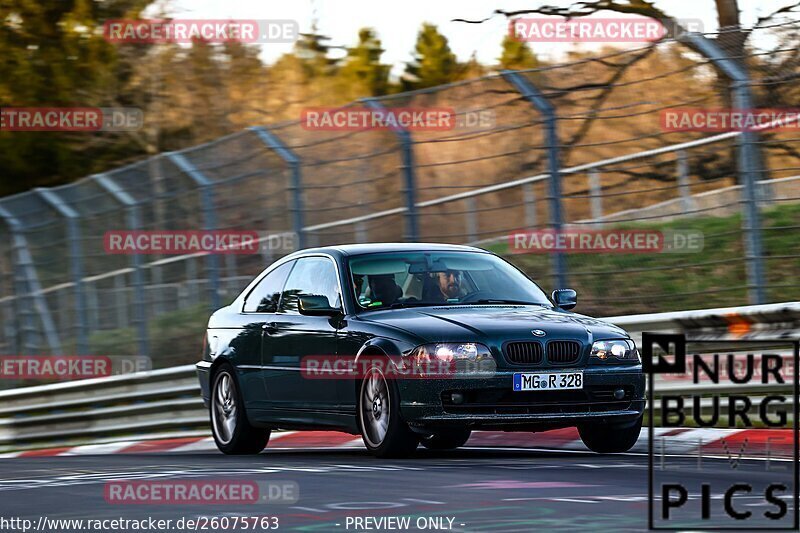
pixel 538 332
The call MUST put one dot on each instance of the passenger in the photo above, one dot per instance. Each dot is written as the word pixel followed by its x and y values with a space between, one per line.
pixel 384 289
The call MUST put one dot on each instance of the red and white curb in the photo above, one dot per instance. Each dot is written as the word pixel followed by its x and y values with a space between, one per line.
pixel 673 441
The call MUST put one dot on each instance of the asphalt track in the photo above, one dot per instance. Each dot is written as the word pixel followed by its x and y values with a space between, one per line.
pixel 480 489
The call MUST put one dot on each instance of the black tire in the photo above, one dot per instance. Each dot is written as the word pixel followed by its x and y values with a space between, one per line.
pixel 448 440
pixel 610 438
pixel 232 431
pixel 395 439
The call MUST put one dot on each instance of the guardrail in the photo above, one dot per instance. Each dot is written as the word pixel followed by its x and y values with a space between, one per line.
pixel 166 403
pixel 157 403
pixel 753 322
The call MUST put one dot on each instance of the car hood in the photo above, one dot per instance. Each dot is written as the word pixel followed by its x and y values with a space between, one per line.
pixel 494 324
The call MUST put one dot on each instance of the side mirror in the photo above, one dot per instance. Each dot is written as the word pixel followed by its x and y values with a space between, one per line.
pixel 565 298
pixel 316 305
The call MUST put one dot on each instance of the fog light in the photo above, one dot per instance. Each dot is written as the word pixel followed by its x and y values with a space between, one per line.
pixel 457 398
pixel 619 394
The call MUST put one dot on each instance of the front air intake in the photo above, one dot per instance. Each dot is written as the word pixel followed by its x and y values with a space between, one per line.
pixel 563 352
pixel 524 353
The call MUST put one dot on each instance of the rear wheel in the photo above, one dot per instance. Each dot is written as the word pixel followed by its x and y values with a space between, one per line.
pixel 232 431
pixel 446 440
pixel 610 438
pixel 384 431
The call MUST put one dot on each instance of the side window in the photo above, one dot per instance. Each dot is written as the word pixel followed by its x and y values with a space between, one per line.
pixel 312 276
pixel 265 296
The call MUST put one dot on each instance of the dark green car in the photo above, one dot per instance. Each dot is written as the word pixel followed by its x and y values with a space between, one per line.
pixel 413 343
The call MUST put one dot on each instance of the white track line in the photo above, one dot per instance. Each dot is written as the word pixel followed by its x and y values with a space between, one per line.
pixel 203 445
pixel 99 449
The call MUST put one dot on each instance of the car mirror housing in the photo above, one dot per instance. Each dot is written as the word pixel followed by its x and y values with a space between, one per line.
pixel 316 305
pixel 565 298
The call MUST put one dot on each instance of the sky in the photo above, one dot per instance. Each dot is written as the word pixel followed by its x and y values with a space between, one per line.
pixel 397 22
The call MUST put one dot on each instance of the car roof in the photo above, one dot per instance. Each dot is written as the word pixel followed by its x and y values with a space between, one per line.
pixel 371 248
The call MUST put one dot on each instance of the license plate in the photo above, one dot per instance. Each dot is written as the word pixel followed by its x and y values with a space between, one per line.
pixel 524 381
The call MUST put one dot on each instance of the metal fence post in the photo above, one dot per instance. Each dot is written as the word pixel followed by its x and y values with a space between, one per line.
pixel 471 220
pixel 28 285
pixel 596 198
pixel 543 105
pixel 121 298
pixel 191 285
pixel 529 197
pixel 9 327
pixel 156 286
pixel 93 306
pixel 76 263
pixel 63 313
pixel 230 274
pixel 361 232
pixel 687 202
pixel 155 175
pixel 748 160
pixel 274 143
pixel 209 219
pixel 139 304
pixel 409 173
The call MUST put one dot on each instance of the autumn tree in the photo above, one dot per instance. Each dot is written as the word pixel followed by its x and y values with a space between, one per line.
pixel 52 56
pixel 433 63
pixel 472 68
pixel 516 55
pixel 362 72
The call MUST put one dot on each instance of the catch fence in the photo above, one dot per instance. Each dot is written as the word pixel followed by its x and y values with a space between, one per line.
pixel 577 145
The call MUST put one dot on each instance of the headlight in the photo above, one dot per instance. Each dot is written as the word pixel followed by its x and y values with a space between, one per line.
pixel 616 350
pixel 451 359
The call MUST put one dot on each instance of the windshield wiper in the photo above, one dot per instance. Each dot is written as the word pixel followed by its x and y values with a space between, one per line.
pixel 401 305
pixel 504 301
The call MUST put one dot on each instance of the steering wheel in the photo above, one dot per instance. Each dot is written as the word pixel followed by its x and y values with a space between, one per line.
pixel 475 296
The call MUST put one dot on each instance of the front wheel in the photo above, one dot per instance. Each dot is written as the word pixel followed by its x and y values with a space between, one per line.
pixel 232 431
pixel 384 431
pixel 448 440
pixel 610 438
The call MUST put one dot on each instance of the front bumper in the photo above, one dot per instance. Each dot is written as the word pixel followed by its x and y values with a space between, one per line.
pixel 204 376
pixel 491 403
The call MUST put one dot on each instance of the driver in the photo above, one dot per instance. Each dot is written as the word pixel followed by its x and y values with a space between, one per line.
pixel 449 284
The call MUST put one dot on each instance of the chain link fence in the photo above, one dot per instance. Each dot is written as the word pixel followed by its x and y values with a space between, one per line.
pixel 479 183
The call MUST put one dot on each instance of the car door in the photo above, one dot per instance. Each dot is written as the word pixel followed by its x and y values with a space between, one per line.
pixel 294 336
pixel 258 311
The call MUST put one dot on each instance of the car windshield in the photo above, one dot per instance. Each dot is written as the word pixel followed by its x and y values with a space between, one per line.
pixel 407 279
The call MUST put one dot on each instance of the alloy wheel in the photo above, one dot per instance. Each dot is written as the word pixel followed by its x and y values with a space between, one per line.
pixel 224 409
pixel 375 407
